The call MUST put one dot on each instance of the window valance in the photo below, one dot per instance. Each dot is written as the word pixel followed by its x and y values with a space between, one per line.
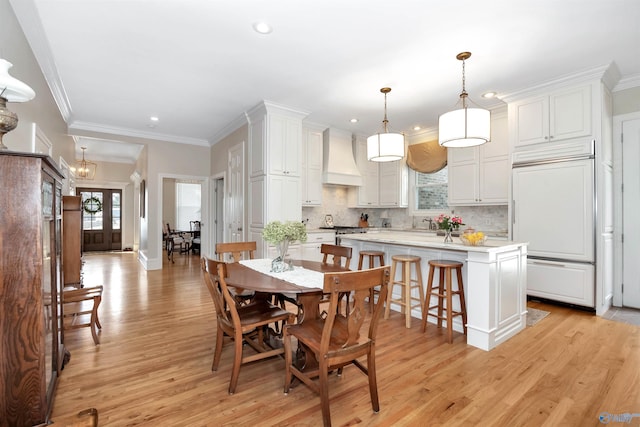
pixel 427 157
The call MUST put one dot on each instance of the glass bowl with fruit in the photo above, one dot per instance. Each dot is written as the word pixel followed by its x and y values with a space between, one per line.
pixel 473 238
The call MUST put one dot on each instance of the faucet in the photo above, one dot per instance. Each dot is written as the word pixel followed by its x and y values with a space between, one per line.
pixel 430 221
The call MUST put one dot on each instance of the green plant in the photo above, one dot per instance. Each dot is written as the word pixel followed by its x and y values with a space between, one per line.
pixel 276 232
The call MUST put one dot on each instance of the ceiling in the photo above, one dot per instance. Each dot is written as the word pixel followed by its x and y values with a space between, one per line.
pixel 198 65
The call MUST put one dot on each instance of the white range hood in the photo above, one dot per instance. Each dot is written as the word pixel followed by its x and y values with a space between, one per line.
pixel 339 165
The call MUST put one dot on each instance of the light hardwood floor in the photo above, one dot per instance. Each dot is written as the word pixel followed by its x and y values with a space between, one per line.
pixel 153 366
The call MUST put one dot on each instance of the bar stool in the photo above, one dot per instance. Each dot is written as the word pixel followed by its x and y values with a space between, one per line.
pixel 372 256
pixel 408 284
pixel 442 291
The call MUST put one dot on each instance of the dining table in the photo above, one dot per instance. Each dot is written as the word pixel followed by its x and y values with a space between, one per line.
pixel 253 275
pixel 305 281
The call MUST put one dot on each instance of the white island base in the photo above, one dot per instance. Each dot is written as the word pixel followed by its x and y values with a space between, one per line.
pixel 495 279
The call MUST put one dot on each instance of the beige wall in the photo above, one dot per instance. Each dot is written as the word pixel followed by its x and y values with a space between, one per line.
pixel 169 202
pixel 42 109
pixel 219 152
pixel 171 160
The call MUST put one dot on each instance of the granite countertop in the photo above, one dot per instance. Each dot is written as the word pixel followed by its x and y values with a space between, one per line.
pixel 430 240
pixel 489 233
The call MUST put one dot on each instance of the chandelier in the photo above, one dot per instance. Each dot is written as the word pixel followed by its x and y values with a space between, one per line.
pixel 84 169
pixel 386 146
pixel 11 90
pixel 464 127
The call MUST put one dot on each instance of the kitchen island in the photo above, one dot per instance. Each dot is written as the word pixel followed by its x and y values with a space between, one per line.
pixel 495 279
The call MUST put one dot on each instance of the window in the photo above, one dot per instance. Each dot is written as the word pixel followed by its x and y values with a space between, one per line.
pixel 92 206
pixel 115 211
pixel 430 191
pixel 187 204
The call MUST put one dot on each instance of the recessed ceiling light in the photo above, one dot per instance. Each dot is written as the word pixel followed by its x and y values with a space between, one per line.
pixel 417 128
pixel 354 120
pixel 489 95
pixel 262 27
pixel 154 118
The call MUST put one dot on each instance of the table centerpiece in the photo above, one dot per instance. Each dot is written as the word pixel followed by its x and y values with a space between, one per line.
pixel 281 234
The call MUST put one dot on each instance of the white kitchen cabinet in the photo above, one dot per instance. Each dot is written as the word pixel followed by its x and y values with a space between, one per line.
pixel 285 135
pixel 561 281
pixel 275 141
pixel 480 175
pixel 284 198
pixel 394 184
pixel 384 184
pixel 559 115
pixel 311 176
pixel 311 248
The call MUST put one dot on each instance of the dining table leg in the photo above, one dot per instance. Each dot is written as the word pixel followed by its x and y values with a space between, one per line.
pixel 308 308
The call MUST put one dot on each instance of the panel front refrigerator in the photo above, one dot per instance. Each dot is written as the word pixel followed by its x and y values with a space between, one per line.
pixel 554 210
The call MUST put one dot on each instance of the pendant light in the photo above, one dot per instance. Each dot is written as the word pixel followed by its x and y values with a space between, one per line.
pixel 464 127
pixel 85 169
pixel 386 146
pixel 11 90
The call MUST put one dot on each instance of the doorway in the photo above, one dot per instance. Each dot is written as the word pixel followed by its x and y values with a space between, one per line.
pixel 218 211
pixel 101 219
pixel 630 207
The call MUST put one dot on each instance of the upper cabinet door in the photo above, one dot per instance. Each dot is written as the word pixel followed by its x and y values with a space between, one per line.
pixel 311 176
pixel 285 136
pixel 570 113
pixel 552 117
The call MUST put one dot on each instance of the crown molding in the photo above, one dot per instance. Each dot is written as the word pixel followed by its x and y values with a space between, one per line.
pixel 627 82
pixel 113 130
pixel 230 128
pixel 607 73
pixel 29 19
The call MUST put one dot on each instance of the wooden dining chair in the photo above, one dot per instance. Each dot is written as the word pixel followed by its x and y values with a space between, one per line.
pixel 340 340
pixel 336 254
pixel 235 252
pixel 243 324
pixel 78 304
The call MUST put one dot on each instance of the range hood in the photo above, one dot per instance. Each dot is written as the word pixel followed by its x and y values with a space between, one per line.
pixel 339 166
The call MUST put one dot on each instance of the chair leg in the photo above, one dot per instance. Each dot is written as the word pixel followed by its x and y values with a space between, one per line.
pixel 427 299
pixel 237 361
pixel 387 307
pixel 463 304
pixel 449 307
pixel 218 351
pixel 288 360
pixel 323 390
pixel 406 279
pixel 96 340
pixel 373 384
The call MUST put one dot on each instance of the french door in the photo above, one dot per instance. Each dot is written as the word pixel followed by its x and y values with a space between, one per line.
pixel 101 219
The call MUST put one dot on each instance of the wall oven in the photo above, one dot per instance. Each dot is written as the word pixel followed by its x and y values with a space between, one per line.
pixel 344 229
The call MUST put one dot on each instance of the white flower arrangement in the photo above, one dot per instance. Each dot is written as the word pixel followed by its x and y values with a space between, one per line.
pixel 276 232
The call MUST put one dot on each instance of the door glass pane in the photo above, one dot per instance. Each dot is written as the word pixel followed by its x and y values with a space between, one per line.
pixel 92 210
pixel 115 211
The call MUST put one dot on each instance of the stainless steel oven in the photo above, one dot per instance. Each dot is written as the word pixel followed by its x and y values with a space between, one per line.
pixel 344 229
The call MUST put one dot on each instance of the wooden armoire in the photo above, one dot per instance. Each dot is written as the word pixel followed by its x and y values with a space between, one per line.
pixel 31 342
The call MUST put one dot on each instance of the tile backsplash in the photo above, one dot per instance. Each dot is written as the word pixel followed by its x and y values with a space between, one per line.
pixel 335 202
